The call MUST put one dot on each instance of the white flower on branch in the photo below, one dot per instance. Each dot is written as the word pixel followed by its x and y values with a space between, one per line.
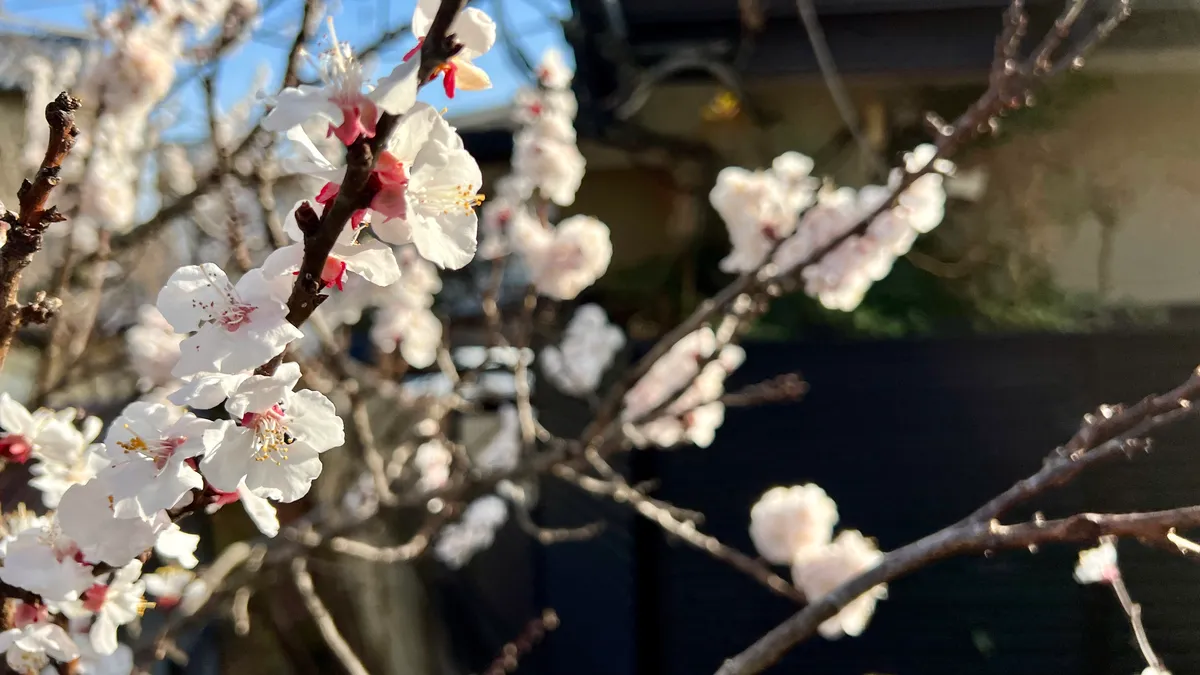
pixel 70 464
pixel 149 446
pixel 761 208
pixel 259 510
pixel 276 439
pixel 153 348
pixel 414 331
pixel 114 603
pixel 86 516
pixel 819 570
pixel 372 260
pixel 1098 565
pixel 502 218
pixel 237 327
pixel 351 112
pixel 19 520
pixel 92 662
pixel 555 166
pixel 786 522
pixel 205 390
pixel 44 561
pixel 459 542
pixel 38 434
pixel 169 584
pixel 34 639
pixel 565 260
pixel 474 30
pixel 432 461
pixel 587 349
pixel 426 184
pixel 681 393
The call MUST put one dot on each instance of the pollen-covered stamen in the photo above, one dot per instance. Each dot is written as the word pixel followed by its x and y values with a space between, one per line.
pixel 448 199
pixel 94 597
pixel 228 311
pixel 271 435
pixel 160 450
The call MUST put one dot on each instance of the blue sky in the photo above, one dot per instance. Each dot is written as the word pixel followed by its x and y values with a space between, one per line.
pixel 534 25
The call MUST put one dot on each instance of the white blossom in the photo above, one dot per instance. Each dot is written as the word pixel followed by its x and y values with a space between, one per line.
pixel 86 516
pixel 567 259
pixel 588 347
pixel 1098 565
pixel 819 570
pixel 276 438
pixel 459 542
pixel 33 640
pixel 432 461
pixel 237 327
pixel 371 259
pixel 44 561
pixel 114 603
pixel 168 585
pixel 503 450
pixel 149 445
pixel 41 434
pixel 415 332
pixel 474 30
pixel 785 522
pixel 177 546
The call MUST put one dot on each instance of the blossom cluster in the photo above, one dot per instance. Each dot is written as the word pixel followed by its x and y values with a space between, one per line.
pixel 679 399
pixel 589 344
pixel 785 215
pixel 547 167
pixel 794 526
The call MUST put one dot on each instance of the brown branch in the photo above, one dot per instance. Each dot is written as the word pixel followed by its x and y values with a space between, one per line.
pixel 355 193
pixel 964 539
pixel 786 387
pixel 533 633
pixel 25 230
pixel 1134 611
pixel 324 620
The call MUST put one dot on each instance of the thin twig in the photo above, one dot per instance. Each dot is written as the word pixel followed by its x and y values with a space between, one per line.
pixel 1134 611
pixel 324 620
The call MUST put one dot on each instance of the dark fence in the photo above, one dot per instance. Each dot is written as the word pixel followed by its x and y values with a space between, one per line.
pixel 907 436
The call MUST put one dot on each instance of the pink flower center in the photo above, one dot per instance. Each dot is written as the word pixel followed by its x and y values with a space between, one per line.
pixel 161 452
pixel 236 316
pixel 15 448
pixel 332 274
pixel 390 181
pixel 29 613
pixel 271 436
pixel 359 117
pixel 94 597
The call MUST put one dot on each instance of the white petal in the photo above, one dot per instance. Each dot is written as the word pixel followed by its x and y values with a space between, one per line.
pixel 260 511
pixel 103 634
pixel 282 262
pixel 181 300
pixel 14 417
pixel 259 392
pixel 397 92
pixel 296 105
pixel 475 30
pixel 310 160
pixel 205 390
pixel 290 479
pixel 372 260
pixel 313 419
pixel 413 130
pixel 450 243
pixel 227 464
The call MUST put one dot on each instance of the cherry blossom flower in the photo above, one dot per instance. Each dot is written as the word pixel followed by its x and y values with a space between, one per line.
pixel 553 71
pixel 237 327
pixel 425 187
pixel 1098 565
pixel 474 30
pixel 569 258
pixel 34 639
pixel 587 349
pixel 761 208
pixel 153 348
pixel 86 516
pixel 39 434
pixel 459 542
pixel 819 570
pixel 413 331
pixel 114 603
pixel 681 392
pixel 149 446
pixel 169 584
pixel 177 546
pixel 16 521
pixel 787 521
pixel 91 662
pixel 275 441
pixel 70 464
pixel 371 259
pixel 340 99
pixel 554 166
pixel 433 205
pixel 44 561
pixel 432 460
pixel 503 217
